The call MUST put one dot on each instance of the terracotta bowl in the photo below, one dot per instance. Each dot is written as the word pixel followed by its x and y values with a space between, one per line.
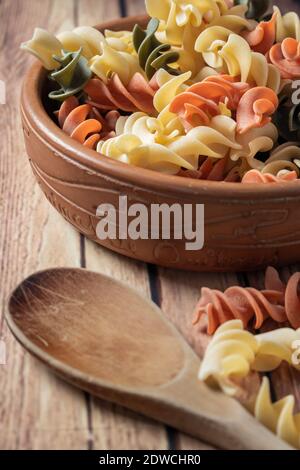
pixel 246 226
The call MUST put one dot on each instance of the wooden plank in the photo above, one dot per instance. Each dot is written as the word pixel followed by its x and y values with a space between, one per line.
pixel 136 7
pixel 37 410
pixel 177 293
pixel 91 12
pixel 111 426
pixel 123 430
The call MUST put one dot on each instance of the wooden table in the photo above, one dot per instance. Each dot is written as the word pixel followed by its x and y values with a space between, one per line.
pixel 37 410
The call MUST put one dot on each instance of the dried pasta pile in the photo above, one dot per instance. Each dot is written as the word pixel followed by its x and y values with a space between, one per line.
pixel 203 92
pixel 235 355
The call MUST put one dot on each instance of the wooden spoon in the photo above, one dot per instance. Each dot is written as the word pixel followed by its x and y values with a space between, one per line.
pixel 105 338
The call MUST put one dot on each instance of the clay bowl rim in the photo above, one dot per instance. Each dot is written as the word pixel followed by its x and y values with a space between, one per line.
pixel 35 113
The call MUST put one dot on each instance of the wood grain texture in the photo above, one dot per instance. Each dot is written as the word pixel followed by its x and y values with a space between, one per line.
pixel 123 429
pixel 37 410
pixel 111 426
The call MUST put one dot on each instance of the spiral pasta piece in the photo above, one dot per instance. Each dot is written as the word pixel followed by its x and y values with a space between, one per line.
pixel 44 46
pixel 278 301
pixel 149 129
pixel 152 54
pixel 287 26
pixel 151 137
pixel 89 39
pixel 255 176
pixel 111 61
pixel 79 122
pixel 286 57
pixel 211 169
pixel 220 139
pixel 279 417
pixel 104 58
pixel 260 139
pixel 228 357
pixel 84 123
pixel 215 141
pixel 144 141
pixel 168 87
pixel 177 17
pixel 275 347
pixel 103 55
pixel 137 95
pixel 262 38
pixel 255 108
pixel 202 101
pixel 130 149
pixel 229 53
pixel 234 352
pixel 283 160
pixel 72 75
pixel 122 41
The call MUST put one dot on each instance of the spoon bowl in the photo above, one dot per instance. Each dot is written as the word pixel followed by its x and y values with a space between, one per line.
pixel 100 335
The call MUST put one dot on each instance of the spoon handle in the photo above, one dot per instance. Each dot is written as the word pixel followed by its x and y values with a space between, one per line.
pixel 192 407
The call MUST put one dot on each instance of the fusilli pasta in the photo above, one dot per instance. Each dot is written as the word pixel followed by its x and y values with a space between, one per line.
pixel 153 55
pixel 44 46
pixel 137 95
pixel 89 39
pixel 120 40
pixel 72 75
pixel 286 57
pixel 204 100
pixel 145 142
pixel 287 26
pixel 285 158
pixel 176 17
pixel 255 176
pixel 279 417
pixel 262 38
pixel 79 122
pixel 278 301
pixel 110 61
pixel 216 141
pixel 84 123
pixel 227 52
pixel 255 108
pixel 103 58
pixel 211 169
pixel 233 352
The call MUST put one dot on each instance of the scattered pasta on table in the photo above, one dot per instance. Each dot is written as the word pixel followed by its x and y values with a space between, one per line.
pixel 236 357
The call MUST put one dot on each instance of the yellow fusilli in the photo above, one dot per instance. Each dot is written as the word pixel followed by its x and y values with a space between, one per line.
pixel 234 352
pixel 279 417
pixel 287 26
pixel 226 52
